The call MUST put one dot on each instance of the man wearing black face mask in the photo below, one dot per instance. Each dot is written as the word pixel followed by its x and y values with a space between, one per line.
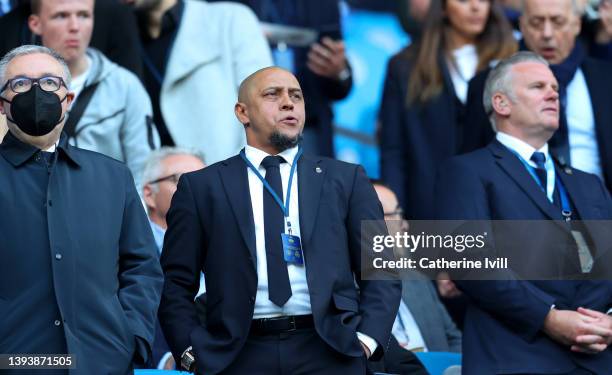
pixel 80 271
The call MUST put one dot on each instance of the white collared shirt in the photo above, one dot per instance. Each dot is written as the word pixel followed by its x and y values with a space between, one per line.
pixel 299 303
pixel 406 330
pixel 463 70
pixel 584 150
pixel 525 151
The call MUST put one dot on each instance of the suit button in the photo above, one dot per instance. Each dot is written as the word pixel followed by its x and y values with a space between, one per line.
pixel 50 203
pixel 58 256
pixel 57 323
pixel 252 299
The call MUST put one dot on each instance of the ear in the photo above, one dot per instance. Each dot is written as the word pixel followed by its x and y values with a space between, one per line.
pixel 34 24
pixel 501 104
pixel 242 113
pixel 148 196
pixel 69 98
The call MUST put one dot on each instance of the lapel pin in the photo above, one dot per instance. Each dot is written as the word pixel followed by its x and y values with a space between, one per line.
pixel 318 170
pixel 568 170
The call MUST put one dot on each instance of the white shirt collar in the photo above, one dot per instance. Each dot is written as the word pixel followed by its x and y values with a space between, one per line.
pixel 53 147
pixel 256 156
pixel 522 148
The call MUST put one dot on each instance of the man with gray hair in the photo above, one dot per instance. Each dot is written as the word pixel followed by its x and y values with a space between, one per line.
pixel 80 273
pixel 584 138
pixel 160 176
pixel 529 327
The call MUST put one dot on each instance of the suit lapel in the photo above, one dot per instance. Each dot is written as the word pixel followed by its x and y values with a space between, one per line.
pixel 234 177
pixel 311 174
pixel 516 170
pixel 573 189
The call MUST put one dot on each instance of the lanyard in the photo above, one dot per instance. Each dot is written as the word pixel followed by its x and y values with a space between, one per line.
pixel 551 180
pixel 566 209
pixel 284 207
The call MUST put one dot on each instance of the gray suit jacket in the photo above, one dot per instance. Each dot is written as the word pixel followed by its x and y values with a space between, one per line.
pixel 437 327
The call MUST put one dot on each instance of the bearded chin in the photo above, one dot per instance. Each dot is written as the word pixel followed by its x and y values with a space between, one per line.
pixel 282 142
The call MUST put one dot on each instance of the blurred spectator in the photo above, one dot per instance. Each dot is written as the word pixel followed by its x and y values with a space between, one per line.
pixel 584 137
pixel 425 91
pixel 114 33
pixel 196 54
pixel 161 173
pixel 6 6
pixel 422 322
pixel 412 15
pixel 321 67
pixel 597 29
pixel 112 111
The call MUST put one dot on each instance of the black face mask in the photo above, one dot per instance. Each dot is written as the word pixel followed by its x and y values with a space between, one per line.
pixel 36 112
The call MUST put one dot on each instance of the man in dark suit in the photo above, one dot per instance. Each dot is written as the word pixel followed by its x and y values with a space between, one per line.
pixel 422 321
pixel 584 139
pixel 527 327
pixel 80 272
pixel 274 306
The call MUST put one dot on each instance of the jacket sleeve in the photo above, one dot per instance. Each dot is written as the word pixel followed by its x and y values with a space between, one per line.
pixel 391 134
pixel 140 275
pixel 379 299
pixel 138 133
pixel 182 261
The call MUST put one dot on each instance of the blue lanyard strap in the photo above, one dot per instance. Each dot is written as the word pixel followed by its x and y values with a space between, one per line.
pixel 566 209
pixel 284 207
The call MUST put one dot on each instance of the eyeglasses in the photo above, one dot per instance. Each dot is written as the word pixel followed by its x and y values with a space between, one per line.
pixel 23 84
pixel 174 178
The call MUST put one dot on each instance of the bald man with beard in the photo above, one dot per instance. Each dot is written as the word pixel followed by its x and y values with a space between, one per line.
pixel 281 293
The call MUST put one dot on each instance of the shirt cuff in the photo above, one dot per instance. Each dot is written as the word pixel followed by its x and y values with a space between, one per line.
pixel 609 312
pixel 162 361
pixel 368 341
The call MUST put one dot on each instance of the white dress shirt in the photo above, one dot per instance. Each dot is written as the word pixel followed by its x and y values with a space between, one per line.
pixel 525 151
pixel 463 69
pixel 406 330
pixel 584 150
pixel 299 302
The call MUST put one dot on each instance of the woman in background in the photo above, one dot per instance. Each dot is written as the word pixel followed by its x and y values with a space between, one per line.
pixel 425 92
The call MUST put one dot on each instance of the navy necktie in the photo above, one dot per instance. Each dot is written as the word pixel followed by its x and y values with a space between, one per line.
pixel 540 161
pixel 279 288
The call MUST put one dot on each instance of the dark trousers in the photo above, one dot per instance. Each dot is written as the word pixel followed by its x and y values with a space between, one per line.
pixel 295 353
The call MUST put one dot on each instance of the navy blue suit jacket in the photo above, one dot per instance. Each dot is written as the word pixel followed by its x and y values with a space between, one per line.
pixel 502 330
pixel 80 271
pixel 478 132
pixel 416 139
pixel 211 229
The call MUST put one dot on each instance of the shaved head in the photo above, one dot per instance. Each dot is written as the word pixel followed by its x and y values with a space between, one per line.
pixel 271 108
pixel 249 82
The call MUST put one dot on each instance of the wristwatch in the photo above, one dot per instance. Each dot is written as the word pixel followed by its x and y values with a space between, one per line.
pixel 188 359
